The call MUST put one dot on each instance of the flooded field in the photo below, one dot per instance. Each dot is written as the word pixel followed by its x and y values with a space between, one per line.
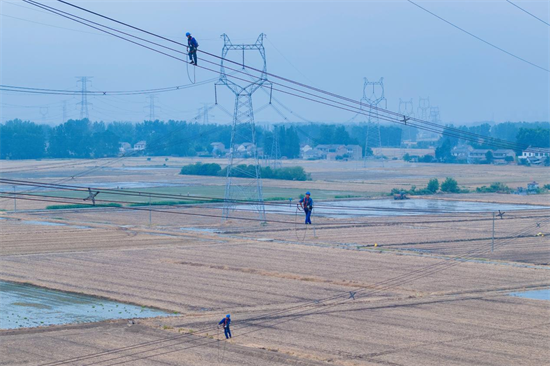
pixel 24 306
pixel 390 207
pixel 543 294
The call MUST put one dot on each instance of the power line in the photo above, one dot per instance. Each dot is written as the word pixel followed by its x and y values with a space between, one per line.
pixel 531 14
pixel 275 315
pixel 479 38
pixel 33 90
pixel 393 116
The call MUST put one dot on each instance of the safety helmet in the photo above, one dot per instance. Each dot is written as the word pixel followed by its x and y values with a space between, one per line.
pixel 307 193
pixel 228 316
pixel 187 34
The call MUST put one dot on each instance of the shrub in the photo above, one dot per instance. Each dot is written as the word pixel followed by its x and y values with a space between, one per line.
pixel 201 169
pixel 494 187
pixel 433 185
pixel 450 186
pixel 62 207
pixel 426 159
pixel 246 171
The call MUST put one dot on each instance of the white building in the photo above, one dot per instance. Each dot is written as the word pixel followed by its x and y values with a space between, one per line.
pixel 140 146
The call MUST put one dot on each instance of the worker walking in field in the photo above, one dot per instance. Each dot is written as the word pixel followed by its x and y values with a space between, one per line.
pixel 192 46
pixel 225 322
pixel 306 204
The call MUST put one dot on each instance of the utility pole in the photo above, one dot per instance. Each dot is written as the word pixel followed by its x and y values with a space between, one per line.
pixel 493 237
pixel 83 80
pixel 243 131
pixel 14 200
pixel 371 98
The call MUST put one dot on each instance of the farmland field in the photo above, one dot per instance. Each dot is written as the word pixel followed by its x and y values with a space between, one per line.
pixel 428 289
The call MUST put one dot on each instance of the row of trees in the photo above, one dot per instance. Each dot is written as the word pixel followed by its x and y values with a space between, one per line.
pixel 85 139
pixel 246 171
pixel 536 134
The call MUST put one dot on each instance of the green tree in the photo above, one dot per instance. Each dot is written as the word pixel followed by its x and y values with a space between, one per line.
pixel 535 137
pixel 443 152
pixel 433 185
pixel 450 186
pixel 489 157
pixel 71 139
pixel 22 140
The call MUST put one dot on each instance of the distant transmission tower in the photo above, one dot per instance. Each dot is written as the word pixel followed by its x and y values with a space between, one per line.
pixel 275 158
pixel 152 107
pixel 243 131
pixel 435 115
pixel 205 111
pixel 372 97
pixel 84 96
pixel 406 109
pixel 43 112
pixel 424 108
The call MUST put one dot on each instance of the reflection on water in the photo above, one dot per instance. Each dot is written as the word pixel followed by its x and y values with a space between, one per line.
pixel 23 305
pixel 390 207
pixel 543 294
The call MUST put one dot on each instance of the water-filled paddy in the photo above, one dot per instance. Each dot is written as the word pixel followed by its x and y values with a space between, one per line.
pixel 24 305
pixel 390 207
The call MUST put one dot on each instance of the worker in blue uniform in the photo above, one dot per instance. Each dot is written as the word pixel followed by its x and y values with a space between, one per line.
pixel 306 204
pixel 192 45
pixel 225 322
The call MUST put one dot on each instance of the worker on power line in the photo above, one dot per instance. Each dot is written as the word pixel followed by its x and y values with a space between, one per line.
pixel 306 204
pixel 225 322
pixel 192 46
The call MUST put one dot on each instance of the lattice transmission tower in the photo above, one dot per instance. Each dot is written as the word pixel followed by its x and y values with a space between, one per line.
pixel 406 109
pixel 435 116
pixel 243 146
pixel 373 94
pixel 423 108
pixel 275 157
pixel 152 107
pixel 84 80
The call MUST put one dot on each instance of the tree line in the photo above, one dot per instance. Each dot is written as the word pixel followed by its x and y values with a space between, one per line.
pixel 86 139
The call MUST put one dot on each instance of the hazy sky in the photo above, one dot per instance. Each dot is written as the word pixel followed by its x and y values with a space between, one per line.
pixel 331 45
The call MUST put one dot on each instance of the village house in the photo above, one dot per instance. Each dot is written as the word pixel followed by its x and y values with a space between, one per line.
pixel 218 148
pixel 333 152
pixel 461 153
pixel 535 155
pixel 124 147
pixel 503 156
pixel 140 146
pixel 477 156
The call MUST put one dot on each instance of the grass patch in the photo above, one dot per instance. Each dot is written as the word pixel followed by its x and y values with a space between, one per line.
pixel 63 207
pixel 276 199
pixel 172 203
pixel 346 196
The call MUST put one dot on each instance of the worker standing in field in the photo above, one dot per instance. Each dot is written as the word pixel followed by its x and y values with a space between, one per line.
pixel 192 46
pixel 307 205
pixel 225 322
